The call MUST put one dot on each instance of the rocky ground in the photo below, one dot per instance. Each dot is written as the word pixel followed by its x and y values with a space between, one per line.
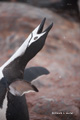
pixel 59 92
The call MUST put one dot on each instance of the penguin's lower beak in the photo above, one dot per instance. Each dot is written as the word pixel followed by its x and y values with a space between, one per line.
pixel 42 25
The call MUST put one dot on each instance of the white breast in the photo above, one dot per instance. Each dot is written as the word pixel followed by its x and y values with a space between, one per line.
pixel 3 110
pixel 1 74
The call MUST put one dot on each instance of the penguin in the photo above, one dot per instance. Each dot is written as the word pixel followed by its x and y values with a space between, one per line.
pixel 15 80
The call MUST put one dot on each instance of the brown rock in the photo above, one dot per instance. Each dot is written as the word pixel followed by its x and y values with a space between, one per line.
pixel 60 90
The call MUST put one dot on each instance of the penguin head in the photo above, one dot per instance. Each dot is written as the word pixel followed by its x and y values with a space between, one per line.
pixel 36 39
pixel 38 34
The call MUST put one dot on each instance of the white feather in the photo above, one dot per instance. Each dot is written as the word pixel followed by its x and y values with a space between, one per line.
pixel 1 74
pixel 3 110
pixel 27 92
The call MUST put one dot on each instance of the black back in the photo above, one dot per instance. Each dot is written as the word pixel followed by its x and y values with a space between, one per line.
pixel 3 89
pixel 17 108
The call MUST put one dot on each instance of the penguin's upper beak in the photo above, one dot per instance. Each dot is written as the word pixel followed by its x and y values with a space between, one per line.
pixel 38 32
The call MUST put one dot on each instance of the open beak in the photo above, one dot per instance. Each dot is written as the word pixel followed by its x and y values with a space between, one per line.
pixel 42 25
pixel 39 33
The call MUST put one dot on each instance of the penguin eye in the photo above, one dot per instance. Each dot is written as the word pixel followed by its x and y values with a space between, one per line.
pixel 35 38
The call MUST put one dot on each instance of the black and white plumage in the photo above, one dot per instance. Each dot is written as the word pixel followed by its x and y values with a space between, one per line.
pixel 15 80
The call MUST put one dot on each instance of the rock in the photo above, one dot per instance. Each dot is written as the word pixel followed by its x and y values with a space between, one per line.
pixel 56 109
pixel 59 91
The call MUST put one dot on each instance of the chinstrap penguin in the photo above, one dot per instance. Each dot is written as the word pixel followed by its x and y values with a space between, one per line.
pixel 15 80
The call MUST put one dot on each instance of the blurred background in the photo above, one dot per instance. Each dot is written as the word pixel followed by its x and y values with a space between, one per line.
pixel 60 90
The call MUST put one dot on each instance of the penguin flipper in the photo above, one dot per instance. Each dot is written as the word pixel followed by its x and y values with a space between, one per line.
pixel 20 87
pixel 33 72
